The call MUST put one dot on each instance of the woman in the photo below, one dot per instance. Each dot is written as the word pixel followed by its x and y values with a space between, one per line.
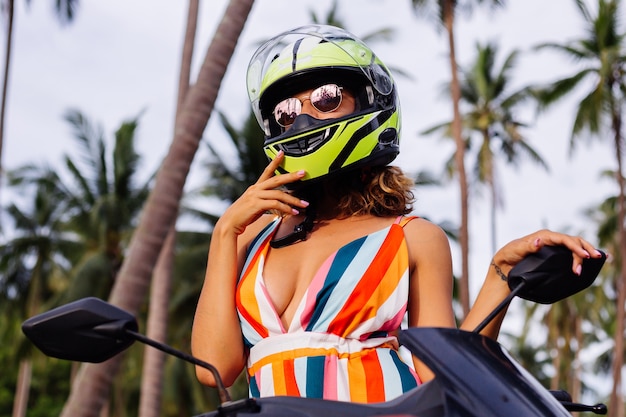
pixel 311 271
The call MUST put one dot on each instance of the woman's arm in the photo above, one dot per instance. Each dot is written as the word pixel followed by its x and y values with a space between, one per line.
pixel 430 297
pixel 216 333
pixel 430 291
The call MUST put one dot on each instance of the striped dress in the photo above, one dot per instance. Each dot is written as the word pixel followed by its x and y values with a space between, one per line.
pixel 339 345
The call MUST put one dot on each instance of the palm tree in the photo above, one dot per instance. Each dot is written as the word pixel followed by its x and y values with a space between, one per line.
pixel 532 355
pixel 602 55
pixel 489 114
pixel 154 360
pixel 181 385
pixel 226 181
pixel 605 215
pixel 92 385
pixel 102 200
pixel 65 12
pixel 32 269
pixel 94 205
pixel 99 202
pixel 443 12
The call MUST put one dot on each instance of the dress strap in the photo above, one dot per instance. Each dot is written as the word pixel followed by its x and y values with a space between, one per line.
pixel 403 220
pixel 261 240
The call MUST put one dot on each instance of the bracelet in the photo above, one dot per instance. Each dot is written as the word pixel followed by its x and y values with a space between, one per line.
pixel 501 274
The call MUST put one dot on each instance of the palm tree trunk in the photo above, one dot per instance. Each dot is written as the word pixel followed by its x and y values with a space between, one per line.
pixel 5 82
pixel 93 385
pixel 493 215
pixel 22 388
pixel 154 360
pixel 153 370
pixel 616 402
pixel 576 379
pixel 459 158
pixel 490 176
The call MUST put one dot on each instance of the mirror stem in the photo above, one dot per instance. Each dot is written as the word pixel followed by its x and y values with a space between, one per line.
pixel 499 308
pixel 223 393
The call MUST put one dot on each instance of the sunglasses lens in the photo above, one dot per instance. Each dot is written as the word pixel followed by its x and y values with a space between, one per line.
pixel 326 98
pixel 287 110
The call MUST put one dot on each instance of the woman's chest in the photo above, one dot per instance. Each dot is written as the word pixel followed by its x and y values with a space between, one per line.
pixel 337 250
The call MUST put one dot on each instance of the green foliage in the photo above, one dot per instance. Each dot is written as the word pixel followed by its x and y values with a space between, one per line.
pixel 9 364
pixel 50 386
pixel 601 63
pixel 70 230
pixel 228 180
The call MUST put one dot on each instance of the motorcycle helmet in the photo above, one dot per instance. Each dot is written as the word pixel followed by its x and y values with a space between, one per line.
pixel 306 58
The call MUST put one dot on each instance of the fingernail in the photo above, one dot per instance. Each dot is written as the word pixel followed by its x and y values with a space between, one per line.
pixel 579 269
pixel 304 203
pixel 587 254
pixel 537 242
pixel 598 253
pixel 301 173
pixel 294 211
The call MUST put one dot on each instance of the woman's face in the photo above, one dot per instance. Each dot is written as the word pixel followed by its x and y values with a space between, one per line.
pixel 328 101
pixel 346 107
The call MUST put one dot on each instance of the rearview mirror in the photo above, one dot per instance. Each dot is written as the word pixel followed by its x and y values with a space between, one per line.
pixel 92 330
pixel 546 276
pixel 87 330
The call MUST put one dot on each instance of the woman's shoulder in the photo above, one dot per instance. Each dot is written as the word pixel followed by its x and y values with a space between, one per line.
pixel 428 244
pixel 418 222
pixel 421 231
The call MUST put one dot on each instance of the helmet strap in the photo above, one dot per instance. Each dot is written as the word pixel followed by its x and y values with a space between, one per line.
pixel 300 231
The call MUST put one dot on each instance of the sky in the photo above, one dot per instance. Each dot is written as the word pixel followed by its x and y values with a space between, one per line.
pixel 120 59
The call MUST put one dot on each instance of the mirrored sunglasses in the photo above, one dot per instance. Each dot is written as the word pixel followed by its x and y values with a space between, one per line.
pixel 325 98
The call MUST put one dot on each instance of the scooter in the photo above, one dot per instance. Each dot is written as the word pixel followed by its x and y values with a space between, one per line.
pixel 474 375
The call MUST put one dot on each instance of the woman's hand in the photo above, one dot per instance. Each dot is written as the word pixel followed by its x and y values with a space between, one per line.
pixel 513 252
pixel 217 299
pixel 495 290
pixel 263 196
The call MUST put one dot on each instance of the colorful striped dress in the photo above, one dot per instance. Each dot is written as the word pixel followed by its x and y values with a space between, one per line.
pixel 339 345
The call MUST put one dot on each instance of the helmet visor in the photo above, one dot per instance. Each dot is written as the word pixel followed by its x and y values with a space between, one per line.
pixel 306 49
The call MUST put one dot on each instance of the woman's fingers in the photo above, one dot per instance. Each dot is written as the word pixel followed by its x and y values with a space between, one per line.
pixel 271 180
pixel 517 250
pixel 581 249
pixel 269 170
pixel 273 199
pixel 265 195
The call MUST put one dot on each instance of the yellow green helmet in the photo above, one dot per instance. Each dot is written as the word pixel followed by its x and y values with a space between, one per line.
pixel 306 58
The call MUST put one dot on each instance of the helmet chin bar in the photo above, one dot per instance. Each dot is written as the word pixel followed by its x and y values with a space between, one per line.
pixel 307 144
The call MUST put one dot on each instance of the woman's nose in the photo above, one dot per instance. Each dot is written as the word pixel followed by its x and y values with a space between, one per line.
pixel 307 107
